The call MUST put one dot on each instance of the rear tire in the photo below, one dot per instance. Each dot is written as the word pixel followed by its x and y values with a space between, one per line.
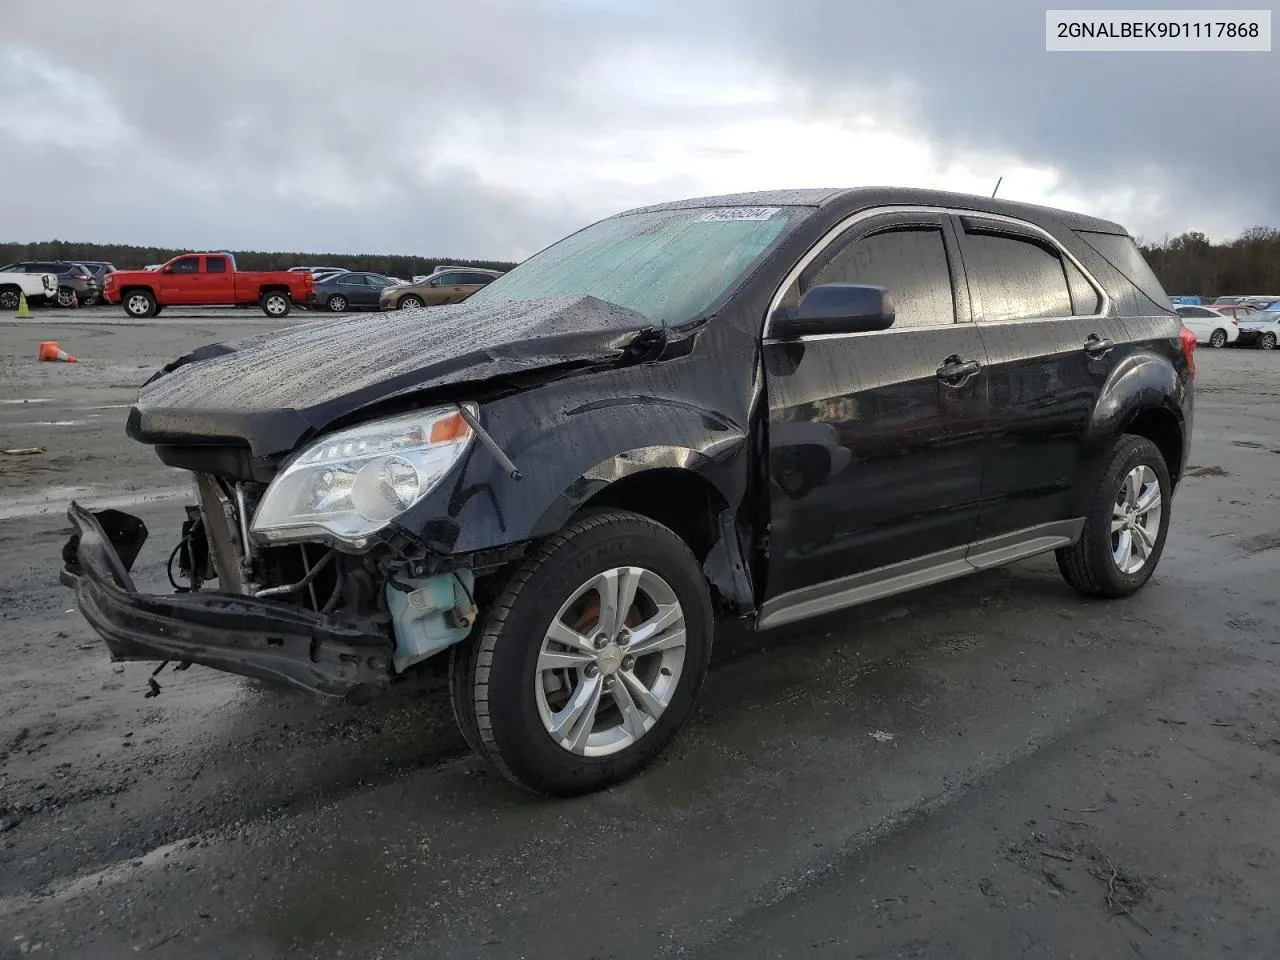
pixel 140 304
pixel 1267 341
pixel 10 298
pixel 1098 565
pixel 66 297
pixel 1218 339
pixel 500 681
pixel 275 304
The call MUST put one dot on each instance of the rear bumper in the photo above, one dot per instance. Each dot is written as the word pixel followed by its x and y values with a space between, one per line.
pixel 254 638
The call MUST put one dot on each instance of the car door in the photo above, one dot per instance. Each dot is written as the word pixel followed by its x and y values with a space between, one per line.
pixel 178 282
pixel 216 282
pixel 875 440
pixel 1198 320
pixel 1050 354
pixel 355 287
pixel 445 288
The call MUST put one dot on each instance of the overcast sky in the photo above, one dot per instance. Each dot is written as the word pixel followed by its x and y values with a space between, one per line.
pixel 491 128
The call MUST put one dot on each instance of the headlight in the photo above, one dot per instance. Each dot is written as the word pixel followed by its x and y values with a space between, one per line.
pixel 352 483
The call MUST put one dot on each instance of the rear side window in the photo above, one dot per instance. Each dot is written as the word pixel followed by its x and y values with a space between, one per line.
pixel 215 264
pixel 1121 252
pixel 1011 278
pixel 910 264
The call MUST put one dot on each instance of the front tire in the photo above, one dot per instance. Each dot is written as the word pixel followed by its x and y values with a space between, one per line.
pixel 336 304
pixel 1126 523
pixel 588 662
pixel 140 304
pixel 275 304
pixel 409 302
pixel 1267 341
pixel 1218 339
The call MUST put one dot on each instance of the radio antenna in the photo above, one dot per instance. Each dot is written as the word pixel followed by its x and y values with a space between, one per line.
pixel 999 180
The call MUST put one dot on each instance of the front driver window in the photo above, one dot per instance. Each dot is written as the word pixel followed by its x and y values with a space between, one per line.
pixel 187 265
pixel 911 264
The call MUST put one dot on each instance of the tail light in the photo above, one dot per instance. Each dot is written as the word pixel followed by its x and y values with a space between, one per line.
pixel 1189 348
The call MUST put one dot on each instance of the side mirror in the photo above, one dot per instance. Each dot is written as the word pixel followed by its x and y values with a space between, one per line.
pixel 835 308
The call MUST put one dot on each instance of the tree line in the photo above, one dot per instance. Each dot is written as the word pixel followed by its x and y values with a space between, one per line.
pixel 1191 264
pixel 126 257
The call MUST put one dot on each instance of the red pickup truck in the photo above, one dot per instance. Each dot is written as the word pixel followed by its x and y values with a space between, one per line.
pixel 206 279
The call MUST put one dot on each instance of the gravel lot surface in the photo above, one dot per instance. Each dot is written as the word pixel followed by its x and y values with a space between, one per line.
pixel 991 768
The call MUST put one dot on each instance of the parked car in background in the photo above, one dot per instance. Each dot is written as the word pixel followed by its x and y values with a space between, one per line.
pixel 1187 299
pixel 206 279
pixel 99 269
pixel 16 282
pixel 1209 325
pixel 850 394
pixel 350 290
pixel 1235 310
pixel 1261 329
pixel 443 286
pixel 76 282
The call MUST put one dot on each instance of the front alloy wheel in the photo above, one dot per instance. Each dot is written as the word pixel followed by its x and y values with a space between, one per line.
pixel 409 303
pixel 337 303
pixel 588 659
pixel 610 661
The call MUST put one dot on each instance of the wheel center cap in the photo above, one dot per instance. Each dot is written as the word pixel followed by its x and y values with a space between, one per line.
pixel 609 659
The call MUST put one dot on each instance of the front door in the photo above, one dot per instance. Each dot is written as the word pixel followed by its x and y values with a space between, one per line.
pixel 1050 355
pixel 180 285
pixel 875 439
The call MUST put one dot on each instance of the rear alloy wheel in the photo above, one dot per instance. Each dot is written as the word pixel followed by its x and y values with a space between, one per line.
pixel 1218 340
pixel 10 297
pixel 66 297
pixel 275 304
pixel 409 303
pixel 589 661
pixel 140 304
pixel 1267 341
pixel 1127 522
pixel 337 303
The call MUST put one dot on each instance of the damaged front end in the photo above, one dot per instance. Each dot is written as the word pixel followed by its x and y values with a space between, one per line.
pixel 317 586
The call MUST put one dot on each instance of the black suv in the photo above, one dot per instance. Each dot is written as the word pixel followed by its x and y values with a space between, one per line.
pixel 765 407
pixel 73 277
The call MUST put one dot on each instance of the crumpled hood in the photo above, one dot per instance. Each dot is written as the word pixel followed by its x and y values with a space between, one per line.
pixel 271 390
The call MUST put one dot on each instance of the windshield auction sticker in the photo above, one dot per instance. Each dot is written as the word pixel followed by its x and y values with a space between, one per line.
pixel 1136 31
pixel 737 213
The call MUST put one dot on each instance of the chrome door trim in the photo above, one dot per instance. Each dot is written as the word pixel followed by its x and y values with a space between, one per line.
pixel 895 578
pixel 839 229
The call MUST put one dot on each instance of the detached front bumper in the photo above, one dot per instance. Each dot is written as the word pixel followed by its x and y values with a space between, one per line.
pixel 265 639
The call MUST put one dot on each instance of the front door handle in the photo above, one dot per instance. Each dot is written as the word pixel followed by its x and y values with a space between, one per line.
pixel 955 371
pixel 1097 346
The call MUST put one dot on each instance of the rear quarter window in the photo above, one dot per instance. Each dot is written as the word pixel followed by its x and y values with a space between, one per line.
pixel 1121 252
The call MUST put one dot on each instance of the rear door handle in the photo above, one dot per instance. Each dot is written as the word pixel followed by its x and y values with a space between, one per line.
pixel 1097 346
pixel 955 371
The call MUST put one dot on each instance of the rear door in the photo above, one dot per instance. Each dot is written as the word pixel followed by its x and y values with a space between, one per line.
pixel 875 439
pixel 1050 352
pixel 217 282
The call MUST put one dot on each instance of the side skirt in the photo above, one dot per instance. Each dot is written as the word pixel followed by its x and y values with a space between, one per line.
pixel 933 568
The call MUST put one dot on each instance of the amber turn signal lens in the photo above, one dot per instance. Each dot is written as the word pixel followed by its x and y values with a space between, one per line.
pixel 452 427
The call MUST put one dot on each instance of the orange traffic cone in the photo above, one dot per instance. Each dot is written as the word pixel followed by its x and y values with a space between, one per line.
pixel 49 350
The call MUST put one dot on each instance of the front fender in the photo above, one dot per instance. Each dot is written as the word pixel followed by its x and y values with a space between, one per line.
pixel 568 445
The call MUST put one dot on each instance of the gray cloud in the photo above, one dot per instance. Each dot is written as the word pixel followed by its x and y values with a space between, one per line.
pixel 325 126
